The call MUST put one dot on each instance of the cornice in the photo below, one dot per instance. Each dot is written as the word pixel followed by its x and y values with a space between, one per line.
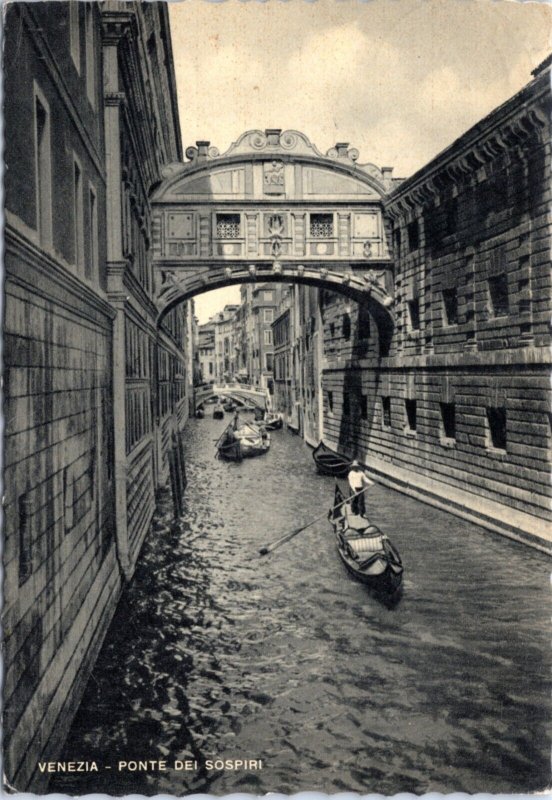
pixel 507 127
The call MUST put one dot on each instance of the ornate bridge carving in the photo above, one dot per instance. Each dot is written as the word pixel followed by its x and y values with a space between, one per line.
pixel 273 208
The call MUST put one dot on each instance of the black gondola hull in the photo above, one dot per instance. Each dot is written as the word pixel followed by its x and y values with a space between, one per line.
pixel 387 582
pixel 328 462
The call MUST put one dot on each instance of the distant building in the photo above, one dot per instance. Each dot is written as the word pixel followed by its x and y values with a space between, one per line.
pixel 206 352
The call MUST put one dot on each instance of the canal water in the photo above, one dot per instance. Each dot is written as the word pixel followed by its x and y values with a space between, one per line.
pixel 217 653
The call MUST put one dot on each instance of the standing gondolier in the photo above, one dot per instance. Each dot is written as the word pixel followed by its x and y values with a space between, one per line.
pixel 359 482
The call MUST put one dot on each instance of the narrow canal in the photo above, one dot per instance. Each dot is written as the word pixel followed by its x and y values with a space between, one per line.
pixel 215 652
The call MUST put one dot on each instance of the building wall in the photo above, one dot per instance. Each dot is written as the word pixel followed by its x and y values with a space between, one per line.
pixel 80 343
pixel 142 135
pixel 60 568
pixel 471 238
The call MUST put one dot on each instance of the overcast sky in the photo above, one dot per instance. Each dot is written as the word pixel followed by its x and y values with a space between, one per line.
pixel 398 79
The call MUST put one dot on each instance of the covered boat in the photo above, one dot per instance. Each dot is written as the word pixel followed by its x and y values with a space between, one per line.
pixel 364 549
pixel 244 442
pixel 273 422
pixel 218 411
pixel 200 412
pixel 328 462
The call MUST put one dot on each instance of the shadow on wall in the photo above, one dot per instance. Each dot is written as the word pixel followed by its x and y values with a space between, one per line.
pixel 361 378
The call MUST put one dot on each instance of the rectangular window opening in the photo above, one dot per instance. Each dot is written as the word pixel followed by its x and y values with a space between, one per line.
pixel 43 173
pixel 92 264
pixel 78 216
pixel 321 226
pixel 228 226
pixel 364 406
pixel 498 294
pixel 413 234
pixel 496 420
pixel 330 402
pixel 414 314
pixel 90 54
pixel 346 326
pixel 450 304
pixel 451 216
pixel 74 32
pixel 410 410
pixel 397 242
pixel 386 411
pixel 448 420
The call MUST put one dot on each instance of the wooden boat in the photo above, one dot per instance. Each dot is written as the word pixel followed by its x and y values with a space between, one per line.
pixel 200 413
pixel 229 405
pixel 364 549
pixel 247 441
pixel 273 422
pixel 328 462
pixel 218 412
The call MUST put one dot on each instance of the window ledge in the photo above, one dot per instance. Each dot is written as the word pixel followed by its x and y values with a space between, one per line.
pixel 410 432
pixel 446 442
pixel 496 452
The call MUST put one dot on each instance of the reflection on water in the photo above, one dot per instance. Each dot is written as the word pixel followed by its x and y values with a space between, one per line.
pixel 216 652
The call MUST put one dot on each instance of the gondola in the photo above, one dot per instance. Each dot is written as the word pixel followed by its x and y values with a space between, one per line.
pixel 229 405
pixel 273 422
pixel 200 413
pixel 218 412
pixel 247 441
pixel 366 552
pixel 328 462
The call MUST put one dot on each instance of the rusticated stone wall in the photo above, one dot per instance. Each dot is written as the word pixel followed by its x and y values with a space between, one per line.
pixel 460 409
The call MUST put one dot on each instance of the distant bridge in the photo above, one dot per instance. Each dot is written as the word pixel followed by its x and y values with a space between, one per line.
pixel 242 392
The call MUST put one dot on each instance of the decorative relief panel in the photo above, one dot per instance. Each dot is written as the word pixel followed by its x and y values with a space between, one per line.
pixel 180 225
pixel 181 249
pixel 271 233
pixel 299 234
pixel 205 245
pixel 366 225
pixel 274 178
pixel 344 233
pixel 251 233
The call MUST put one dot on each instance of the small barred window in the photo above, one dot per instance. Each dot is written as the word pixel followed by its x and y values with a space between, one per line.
pixel 321 226
pixel 228 226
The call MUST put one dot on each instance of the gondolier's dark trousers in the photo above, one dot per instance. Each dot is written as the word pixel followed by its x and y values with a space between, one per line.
pixel 358 504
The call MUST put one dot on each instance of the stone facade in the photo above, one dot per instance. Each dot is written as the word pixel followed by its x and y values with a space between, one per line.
pixel 85 427
pixel 459 410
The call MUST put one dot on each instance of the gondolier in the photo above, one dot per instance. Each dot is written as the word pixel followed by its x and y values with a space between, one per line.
pixel 359 482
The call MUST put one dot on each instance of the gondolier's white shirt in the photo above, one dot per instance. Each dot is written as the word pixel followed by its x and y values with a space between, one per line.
pixel 358 480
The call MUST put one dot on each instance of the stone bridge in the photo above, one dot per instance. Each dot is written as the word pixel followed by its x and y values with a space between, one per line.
pixel 233 391
pixel 273 208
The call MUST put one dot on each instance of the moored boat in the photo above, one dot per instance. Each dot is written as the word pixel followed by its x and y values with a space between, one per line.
pixel 200 413
pixel 218 412
pixel 328 462
pixel 364 549
pixel 247 441
pixel 273 422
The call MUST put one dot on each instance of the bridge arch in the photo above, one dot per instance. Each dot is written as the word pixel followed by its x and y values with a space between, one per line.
pixel 273 208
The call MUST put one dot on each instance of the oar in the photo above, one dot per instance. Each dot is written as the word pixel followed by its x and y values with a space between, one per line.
pixel 268 548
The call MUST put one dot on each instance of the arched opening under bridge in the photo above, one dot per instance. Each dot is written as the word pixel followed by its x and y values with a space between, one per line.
pixel 273 208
